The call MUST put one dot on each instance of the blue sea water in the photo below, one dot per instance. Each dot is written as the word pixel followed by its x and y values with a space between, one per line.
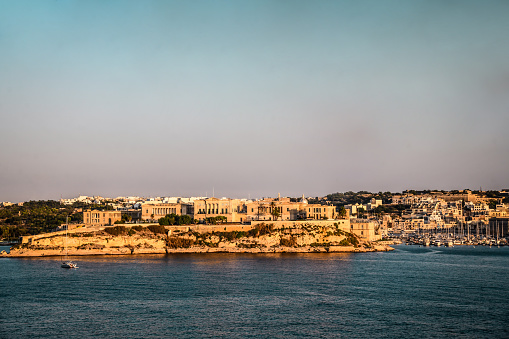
pixel 460 292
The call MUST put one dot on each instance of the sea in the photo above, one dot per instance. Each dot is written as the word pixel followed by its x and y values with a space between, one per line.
pixel 459 292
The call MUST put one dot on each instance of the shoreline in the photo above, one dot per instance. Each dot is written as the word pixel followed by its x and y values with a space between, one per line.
pixel 32 253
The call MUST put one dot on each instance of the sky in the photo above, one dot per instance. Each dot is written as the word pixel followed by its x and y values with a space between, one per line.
pixel 251 98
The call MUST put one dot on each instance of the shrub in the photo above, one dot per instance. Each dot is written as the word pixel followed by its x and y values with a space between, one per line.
pixel 91 246
pixel 230 236
pixel 117 230
pixel 173 219
pixel 344 242
pixel 178 242
pixel 157 229
pixel 261 229
pixel 137 228
pixel 241 234
pixel 350 240
pixel 288 242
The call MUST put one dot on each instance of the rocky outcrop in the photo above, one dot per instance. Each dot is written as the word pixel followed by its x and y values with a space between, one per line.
pixel 263 238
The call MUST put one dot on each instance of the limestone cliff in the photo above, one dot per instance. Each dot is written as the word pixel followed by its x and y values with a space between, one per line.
pixel 152 239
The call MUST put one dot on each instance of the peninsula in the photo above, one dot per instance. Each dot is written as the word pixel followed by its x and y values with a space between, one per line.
pixel 262 237
pixel 339 222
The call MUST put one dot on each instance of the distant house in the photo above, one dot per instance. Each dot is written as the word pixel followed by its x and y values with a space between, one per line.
pixel 155 210
pixel 101 218
pixel 365 229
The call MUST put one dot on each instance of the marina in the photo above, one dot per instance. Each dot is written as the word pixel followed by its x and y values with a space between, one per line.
pixel 461 235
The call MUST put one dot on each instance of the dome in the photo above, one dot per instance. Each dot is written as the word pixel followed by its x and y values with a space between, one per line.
pixel 303 200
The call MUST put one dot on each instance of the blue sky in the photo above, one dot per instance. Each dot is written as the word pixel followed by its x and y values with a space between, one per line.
pixel 251 97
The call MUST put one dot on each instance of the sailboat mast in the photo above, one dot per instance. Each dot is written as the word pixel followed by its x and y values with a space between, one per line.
pixel 66 228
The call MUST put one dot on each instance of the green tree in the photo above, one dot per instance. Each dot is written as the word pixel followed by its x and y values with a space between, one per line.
pixel 342 211
pixel 492 204
pixel 274 211
pixel 126 218
pixel 173 219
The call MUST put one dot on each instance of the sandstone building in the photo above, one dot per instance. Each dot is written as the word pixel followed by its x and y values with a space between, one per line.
pixel 101 218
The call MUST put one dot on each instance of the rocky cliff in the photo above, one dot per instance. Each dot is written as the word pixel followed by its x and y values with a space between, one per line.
pixel 159 239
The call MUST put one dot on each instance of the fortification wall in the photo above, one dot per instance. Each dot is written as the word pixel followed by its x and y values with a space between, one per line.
pixel 220 228
pixel 342 224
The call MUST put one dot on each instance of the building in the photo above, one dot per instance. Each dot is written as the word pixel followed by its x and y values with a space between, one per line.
pixel 284 209
pixel 155 211
pixel 134 214
pixel 276 209
pixel 101 218
pixel 366 229
pixel 234 210
pixel 317 212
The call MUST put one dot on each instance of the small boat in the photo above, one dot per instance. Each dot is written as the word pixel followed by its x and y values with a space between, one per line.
pixel 67 263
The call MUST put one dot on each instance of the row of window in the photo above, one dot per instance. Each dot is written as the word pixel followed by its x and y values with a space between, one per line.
pixel 213 211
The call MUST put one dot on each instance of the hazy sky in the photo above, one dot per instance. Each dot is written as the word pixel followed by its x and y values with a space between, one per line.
pixel 176 98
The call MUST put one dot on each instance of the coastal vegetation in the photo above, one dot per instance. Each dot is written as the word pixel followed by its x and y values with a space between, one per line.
pixel 116 230
pixel 157 229
pixel 35 217
pixel 179 242
pixel 173 219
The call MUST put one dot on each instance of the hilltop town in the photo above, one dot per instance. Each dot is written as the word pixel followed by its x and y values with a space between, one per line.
pixel 338 221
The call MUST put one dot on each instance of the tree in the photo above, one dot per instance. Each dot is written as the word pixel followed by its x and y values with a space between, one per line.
pixel 274 211
pixel 492 204
pixel 126 218
pixel 173 219
pixel 342 211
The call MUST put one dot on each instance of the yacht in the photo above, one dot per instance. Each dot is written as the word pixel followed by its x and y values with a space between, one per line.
pixel 67 263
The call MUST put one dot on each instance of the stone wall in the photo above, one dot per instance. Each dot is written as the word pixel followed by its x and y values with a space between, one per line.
pixel 343 224
pixel 220 228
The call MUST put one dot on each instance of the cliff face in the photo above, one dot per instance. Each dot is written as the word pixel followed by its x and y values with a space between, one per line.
pixel 262 238
pixel 91 244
